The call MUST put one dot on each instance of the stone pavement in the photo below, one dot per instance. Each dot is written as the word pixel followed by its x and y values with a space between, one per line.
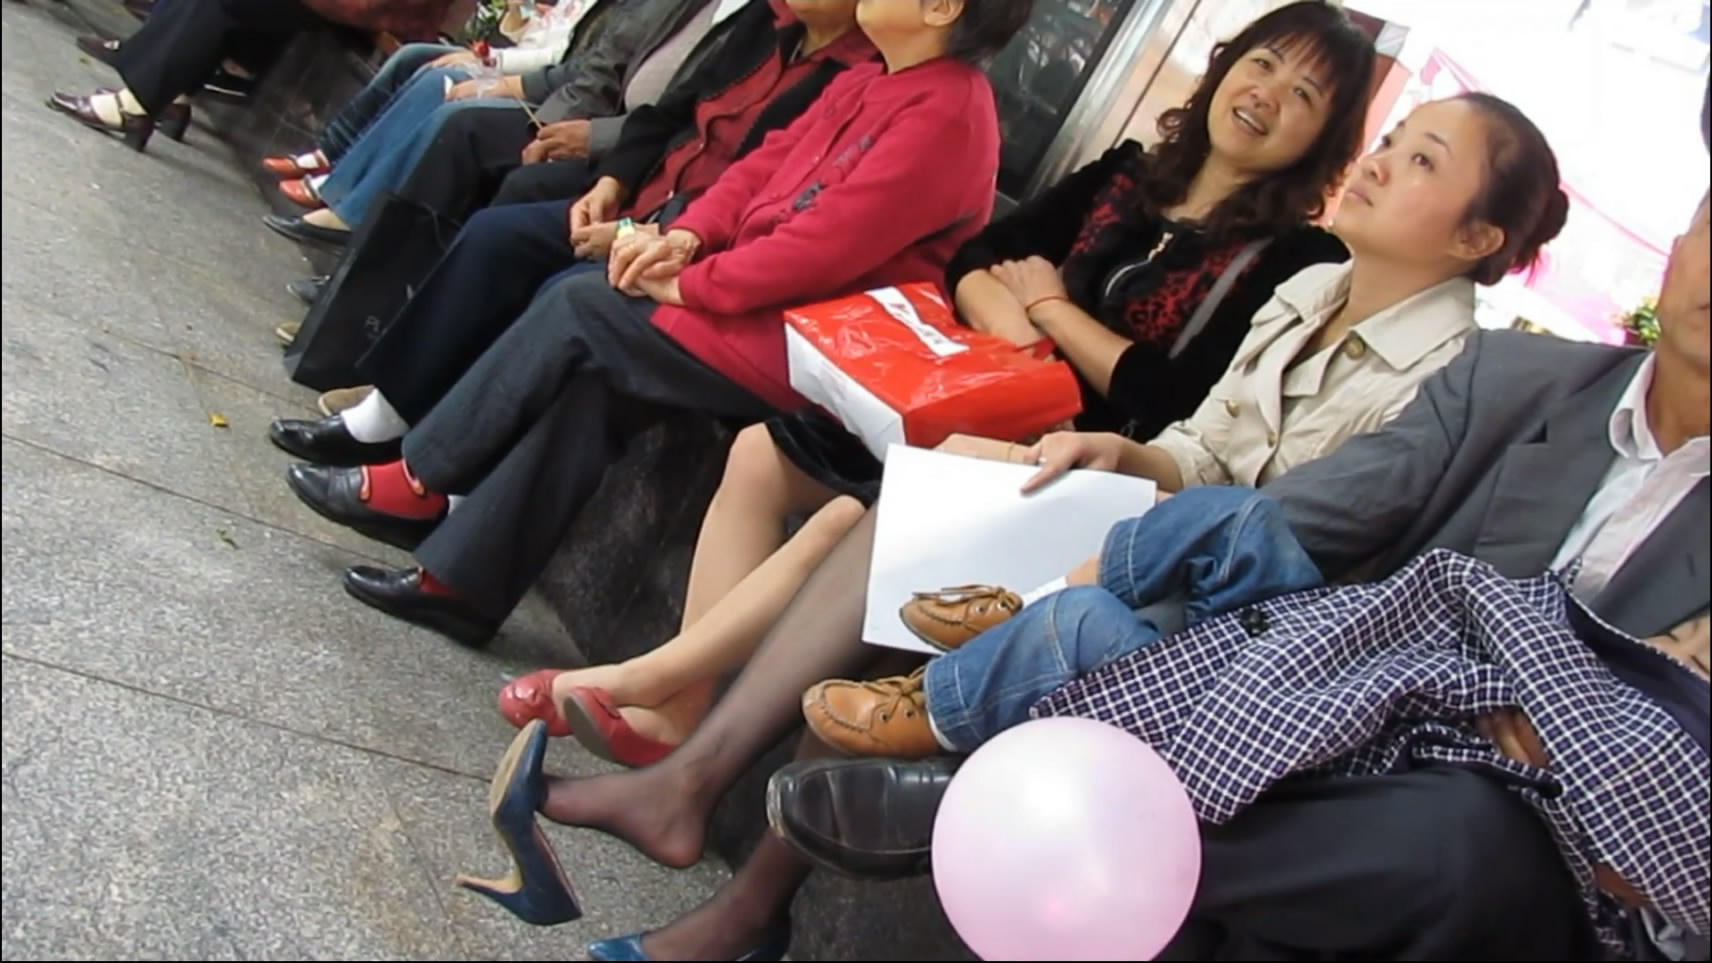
pixel 210 752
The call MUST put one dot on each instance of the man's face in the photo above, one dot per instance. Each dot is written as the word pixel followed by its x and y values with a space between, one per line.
pixel 1685 300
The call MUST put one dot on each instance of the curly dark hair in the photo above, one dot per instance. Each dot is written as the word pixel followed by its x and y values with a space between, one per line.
pixel 1288 198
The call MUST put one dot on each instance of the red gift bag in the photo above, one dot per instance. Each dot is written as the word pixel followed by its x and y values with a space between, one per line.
pixel 894 366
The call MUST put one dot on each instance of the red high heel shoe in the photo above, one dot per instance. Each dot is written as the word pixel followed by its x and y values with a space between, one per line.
pixel 596 722
pixel 530 697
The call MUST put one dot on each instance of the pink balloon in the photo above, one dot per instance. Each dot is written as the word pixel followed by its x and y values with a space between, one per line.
pixel 1066 839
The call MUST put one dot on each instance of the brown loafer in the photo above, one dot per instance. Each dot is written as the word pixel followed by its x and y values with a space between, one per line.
pixel 887 717
pixel 948 618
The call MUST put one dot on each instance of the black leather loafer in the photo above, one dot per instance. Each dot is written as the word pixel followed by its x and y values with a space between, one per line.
pixel 399 594
pixel 336 495
pixel 866 818
pixel 326 441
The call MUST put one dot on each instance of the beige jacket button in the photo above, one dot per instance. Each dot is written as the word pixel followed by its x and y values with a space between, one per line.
pixel 1355 349
pixel 1232 408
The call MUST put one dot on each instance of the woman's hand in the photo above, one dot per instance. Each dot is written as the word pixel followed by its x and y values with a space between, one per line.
pixel 654 258
pixel 973 446
pixel 598 206
pixel 661 292
pixel 1031 281
pixel 456 58
pixel 595 242
pixel 511 87
pixel 1066 450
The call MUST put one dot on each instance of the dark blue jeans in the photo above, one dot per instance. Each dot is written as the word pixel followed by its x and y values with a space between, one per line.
pixel 349 123
pixel 1212 549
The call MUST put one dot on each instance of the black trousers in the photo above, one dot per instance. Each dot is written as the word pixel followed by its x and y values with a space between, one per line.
pixel 564 180
pixel 1436 864
pixel 463 168
pixel 183 42
pixel 529 431
pixel 486 280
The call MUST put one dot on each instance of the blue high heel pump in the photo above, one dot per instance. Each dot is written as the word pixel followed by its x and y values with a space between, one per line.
pixel 536 890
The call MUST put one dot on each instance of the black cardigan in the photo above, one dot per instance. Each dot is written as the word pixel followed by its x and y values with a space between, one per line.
pixel 651 132
pixel 1149 390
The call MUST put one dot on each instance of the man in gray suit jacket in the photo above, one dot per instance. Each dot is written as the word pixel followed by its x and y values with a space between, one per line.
pixel 1529 453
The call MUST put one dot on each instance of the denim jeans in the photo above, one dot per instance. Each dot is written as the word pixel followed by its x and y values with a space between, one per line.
pixel 1215 548
pixel 350 122
pixel 383 157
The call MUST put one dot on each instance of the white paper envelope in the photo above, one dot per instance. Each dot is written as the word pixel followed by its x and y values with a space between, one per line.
pixel 951 520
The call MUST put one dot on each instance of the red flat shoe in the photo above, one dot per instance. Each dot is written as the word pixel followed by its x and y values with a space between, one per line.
pixel 599 726
pixel 530 697
pixel 300 193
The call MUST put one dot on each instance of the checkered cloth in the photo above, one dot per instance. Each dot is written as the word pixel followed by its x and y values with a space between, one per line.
pixel 1390 675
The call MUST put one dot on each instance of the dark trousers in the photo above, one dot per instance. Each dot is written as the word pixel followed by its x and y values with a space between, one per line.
pixel 465 164
pixel 1434 864
pixel 487 278
pixel 182 43
pixel 529 431
pixel 563 180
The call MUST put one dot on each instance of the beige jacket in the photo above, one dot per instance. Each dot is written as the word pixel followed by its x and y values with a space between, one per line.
pixel 1264 418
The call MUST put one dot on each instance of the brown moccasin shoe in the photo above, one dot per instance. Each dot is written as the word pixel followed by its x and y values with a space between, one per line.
pixel 887 717
pixel 950 617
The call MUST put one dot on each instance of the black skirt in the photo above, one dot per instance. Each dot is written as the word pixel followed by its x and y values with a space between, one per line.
pixel 821 449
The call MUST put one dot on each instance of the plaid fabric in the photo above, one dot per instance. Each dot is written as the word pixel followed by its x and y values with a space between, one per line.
pixel 1387 676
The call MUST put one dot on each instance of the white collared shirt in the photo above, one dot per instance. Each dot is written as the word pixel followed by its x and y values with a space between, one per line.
pixel 1641 488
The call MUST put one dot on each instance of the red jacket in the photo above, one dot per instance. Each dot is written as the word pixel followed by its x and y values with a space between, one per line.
pixel 878 183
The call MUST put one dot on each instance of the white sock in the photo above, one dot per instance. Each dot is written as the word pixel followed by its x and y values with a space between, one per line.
pixel 452 503
pixel 373 420
pixel 1056 585
pixel 309 161
pixel 316 181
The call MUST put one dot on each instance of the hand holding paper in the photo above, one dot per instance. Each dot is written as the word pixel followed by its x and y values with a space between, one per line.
pixel 952 520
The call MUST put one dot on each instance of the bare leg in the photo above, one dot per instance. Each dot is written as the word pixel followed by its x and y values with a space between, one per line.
pixel 663 810
pixel 740 545
pixel 668 690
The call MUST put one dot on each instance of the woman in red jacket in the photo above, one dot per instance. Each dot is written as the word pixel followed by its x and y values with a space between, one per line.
pixel 877 184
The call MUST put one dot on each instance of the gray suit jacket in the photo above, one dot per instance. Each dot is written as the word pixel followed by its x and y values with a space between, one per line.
pixel 592 85
pixel 1497 458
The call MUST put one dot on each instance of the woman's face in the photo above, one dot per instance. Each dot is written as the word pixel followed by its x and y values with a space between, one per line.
pixel 1409 198
pixel 1269 109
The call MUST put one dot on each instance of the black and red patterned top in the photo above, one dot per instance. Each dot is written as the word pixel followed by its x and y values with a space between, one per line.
pixel 1142 276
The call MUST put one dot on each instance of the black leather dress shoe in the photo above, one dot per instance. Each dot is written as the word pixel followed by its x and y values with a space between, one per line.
pixel 867 818
pixel 400 595
pixel 326 441
pixel 304 232
pixel 307 290
pixel 336 495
